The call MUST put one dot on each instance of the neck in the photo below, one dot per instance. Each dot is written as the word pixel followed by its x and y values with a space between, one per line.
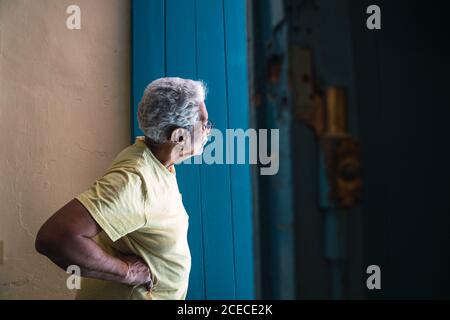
pixel 163 152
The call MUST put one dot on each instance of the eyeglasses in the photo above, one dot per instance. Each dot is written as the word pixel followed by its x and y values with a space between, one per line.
pixel 207 126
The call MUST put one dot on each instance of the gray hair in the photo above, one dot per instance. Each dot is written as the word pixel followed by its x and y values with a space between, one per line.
pixel 169 103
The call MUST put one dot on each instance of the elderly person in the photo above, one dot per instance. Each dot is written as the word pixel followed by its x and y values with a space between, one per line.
pixel 128 231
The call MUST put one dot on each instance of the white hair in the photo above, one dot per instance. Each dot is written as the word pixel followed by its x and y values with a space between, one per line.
pixel 169 103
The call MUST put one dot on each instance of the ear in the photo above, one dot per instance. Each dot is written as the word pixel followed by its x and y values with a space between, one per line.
pixel 179 136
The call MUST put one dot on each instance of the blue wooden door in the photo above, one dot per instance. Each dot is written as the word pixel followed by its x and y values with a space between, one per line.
pixel 204 39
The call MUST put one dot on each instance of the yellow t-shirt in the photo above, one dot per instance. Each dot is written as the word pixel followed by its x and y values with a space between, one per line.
pixel 139 207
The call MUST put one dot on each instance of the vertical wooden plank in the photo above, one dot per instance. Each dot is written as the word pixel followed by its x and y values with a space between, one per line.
pixel 169 40
pixel 215 179
pixel 147 51
pixel 180 39
pixel 181 62
pixel 238 115
pixel 279 209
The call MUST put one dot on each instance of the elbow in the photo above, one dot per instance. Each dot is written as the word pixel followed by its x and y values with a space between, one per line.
pixel 45 241
pixel 41 243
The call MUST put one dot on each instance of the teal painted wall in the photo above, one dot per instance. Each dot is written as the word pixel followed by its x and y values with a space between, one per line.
pixel 205 39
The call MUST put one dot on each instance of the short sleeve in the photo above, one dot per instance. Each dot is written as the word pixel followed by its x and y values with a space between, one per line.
pixel 117 202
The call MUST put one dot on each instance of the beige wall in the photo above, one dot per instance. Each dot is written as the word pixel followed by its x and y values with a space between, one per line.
pixel 64 115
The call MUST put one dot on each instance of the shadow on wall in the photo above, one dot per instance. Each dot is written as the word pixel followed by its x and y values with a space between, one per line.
pixel 396 85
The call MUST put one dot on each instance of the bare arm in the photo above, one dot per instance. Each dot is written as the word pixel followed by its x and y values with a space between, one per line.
pixel 66 239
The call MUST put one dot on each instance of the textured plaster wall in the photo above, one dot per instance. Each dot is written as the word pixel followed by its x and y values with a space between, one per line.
pixel 64 115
